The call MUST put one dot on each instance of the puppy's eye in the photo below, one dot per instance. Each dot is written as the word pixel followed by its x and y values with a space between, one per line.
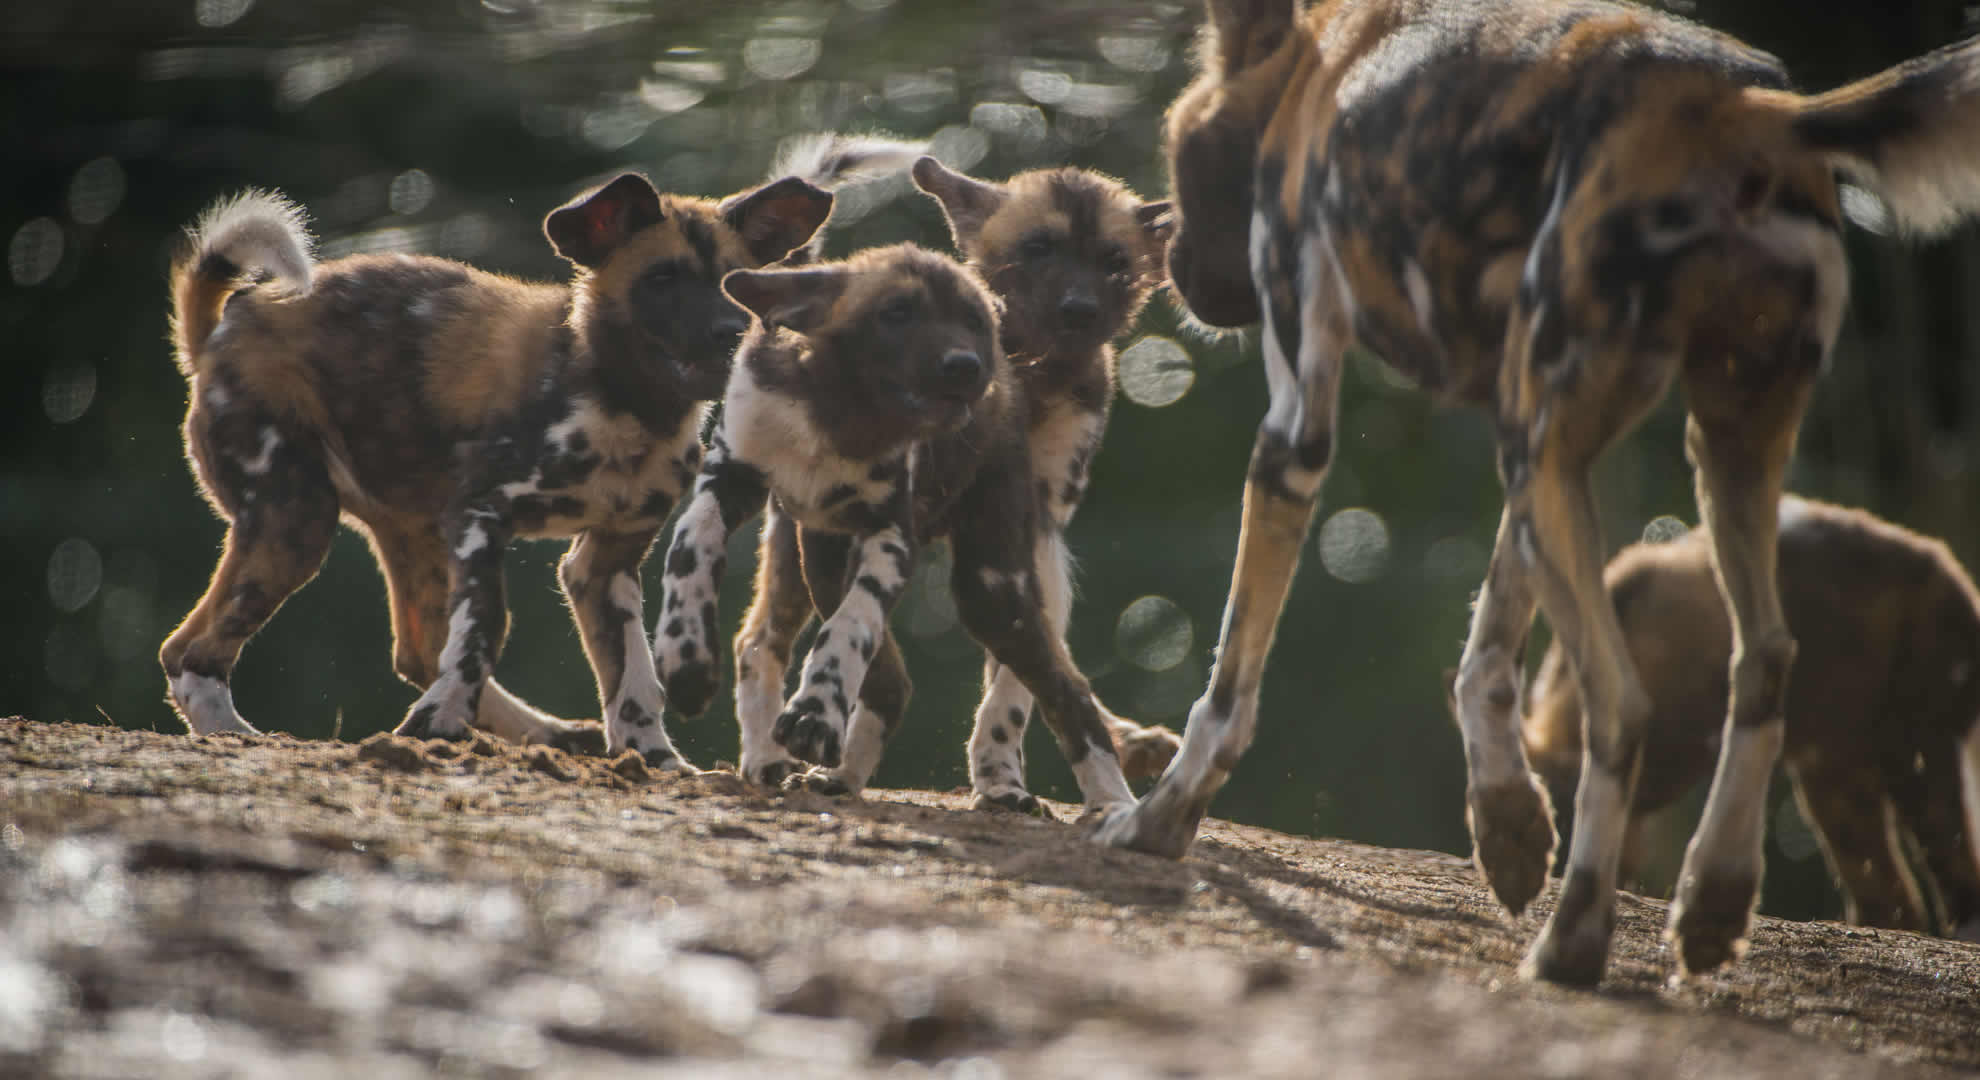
pixel 1035 246
pixel 1115 261
pixel 974 322
pixel 898 311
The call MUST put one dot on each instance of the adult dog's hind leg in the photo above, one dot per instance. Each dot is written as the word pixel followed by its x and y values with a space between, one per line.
pixel 1288 463
pixel 1740 455
pixel 1506 806
pixel 283 515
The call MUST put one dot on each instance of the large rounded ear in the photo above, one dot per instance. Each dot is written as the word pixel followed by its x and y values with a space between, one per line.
pixel 777 217
pixel 1158 220
pixel 966 201
pixel 591 227
pixel 798 299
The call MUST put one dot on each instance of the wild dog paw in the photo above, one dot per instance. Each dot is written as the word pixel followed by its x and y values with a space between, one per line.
pixel 432 720
pixel 1152 827
pixel 1573 948
pixel 803 730
pixel 770 774
pixel 1710 916
pixel 572 737
pixel 1012 799
pixel 690 687
pixel 1145 751
pixel 667 759
pixel 818 782
pixel 1512 833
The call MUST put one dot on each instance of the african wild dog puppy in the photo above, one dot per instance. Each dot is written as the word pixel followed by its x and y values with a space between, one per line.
pixel 1882 717
pixel 444 410
pixel 1551 210
pixel 1071 255
pixel 873 401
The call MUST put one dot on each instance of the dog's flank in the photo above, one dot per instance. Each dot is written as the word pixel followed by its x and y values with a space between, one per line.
pixel 442 410
pixel 1882 715
pixel 1071 256
pixel 871 399
pixel 1551 210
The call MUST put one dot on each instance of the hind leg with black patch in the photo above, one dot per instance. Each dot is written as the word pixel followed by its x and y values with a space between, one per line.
pixel 283 515
pixel 883 693
pixel 414 561
pixel 600 577
pixel 998 597
pixel 477 623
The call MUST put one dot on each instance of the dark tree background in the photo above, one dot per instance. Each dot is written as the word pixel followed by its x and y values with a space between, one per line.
pixel 451 126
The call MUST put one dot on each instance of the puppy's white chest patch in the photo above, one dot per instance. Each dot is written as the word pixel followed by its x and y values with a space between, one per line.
pixel 813 484
pixel 1063 443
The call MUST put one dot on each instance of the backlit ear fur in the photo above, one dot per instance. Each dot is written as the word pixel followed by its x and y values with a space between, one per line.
pixel 799 299
pixel 776 218
pixel 966 202
pixel 589 228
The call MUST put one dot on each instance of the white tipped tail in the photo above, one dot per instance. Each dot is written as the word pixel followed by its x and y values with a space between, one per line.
pixel 830 159
pixel 255 230
pixel 258 230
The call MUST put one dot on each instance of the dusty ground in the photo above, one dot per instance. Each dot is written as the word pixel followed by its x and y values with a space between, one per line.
pixel 180 907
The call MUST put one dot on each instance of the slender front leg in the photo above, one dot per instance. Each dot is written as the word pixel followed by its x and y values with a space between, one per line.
pixel 476 626
pixel 685 647
pixel 1740 461
pixel 1506 806
pixel 814 722
pixel 883 694
pixel 600 576
pixel 778 609
pixel 1288 463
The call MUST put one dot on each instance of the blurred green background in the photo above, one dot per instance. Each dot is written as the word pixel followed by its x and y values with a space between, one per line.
pixel 452 126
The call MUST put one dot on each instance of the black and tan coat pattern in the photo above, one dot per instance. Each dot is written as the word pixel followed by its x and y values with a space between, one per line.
pixel 1071 257
pixel 872 401
pixel 442 411
pixel 1549 209
pixel 1881 721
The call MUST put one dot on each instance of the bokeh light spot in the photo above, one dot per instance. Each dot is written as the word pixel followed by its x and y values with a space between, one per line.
pixel 96 191
pixel 1024 124
pixel 1354 545
pixel 411 192
pixel 1154 634
pixel 780 58
pixel 75 572
pixel 35 251
pixel 1455 560
pixel 68 390
pixel 1156 371
pixel 1663 530
pixel 214 14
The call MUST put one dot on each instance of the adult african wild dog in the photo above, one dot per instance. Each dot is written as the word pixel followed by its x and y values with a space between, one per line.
pixel 872 399
pixel 1549 209
pixel 1882 718
pixel 442 410
pixel 1071 256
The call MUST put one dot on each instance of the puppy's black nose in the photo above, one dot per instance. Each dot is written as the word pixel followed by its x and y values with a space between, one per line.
pixel 961 367
pixel 1079 310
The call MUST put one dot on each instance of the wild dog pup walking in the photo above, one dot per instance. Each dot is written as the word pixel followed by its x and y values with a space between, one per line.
pixel 444 410
pixel 1550 209
pixel 1071 255
pixel 872 400
pixel 1882 719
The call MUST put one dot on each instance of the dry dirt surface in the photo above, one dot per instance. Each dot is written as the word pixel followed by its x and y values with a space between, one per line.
pixel 172 906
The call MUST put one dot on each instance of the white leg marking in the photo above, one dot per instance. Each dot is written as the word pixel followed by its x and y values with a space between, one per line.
pixel 1730 835
pixel 639 681
pixel 207 704
pixel 758 700
pixel 259 464
pixel 866 740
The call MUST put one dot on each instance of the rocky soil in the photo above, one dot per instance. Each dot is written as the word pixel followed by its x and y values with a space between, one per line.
pixel 172 906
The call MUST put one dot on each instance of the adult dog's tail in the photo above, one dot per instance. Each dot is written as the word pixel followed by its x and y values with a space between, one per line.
pixel 255 231
pixel 831 160
pixel 1910 134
